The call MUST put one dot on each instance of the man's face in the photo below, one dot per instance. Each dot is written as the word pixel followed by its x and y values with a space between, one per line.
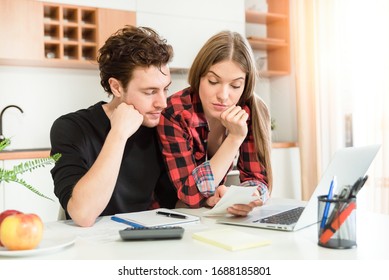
pixel 147 91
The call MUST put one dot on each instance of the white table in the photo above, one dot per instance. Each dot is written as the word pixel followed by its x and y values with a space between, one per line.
pixel 102 241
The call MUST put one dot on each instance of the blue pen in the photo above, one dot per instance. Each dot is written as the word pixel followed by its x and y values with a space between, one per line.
pixel 327 206
pixel 124 221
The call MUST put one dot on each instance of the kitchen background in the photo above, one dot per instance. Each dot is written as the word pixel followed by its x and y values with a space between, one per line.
pixel 46 92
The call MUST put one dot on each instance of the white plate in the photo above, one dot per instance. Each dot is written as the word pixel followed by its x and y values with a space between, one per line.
pixel 48 244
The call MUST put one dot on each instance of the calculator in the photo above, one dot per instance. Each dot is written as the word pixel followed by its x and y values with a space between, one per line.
pixel 151 233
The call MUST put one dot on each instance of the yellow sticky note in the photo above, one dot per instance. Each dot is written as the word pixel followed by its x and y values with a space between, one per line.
pixel 230 239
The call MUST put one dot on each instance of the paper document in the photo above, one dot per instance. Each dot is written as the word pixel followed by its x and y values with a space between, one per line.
pixel 230 239
pixel 150 218
pixel 234 195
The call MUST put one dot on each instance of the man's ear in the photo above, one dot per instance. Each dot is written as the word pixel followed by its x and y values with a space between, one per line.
pixel 116 87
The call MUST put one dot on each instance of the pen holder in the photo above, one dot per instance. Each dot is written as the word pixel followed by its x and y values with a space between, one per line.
pixel 337 222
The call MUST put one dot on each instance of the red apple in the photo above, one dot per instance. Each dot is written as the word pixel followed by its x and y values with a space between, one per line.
pixel 5 214
pixel 21 231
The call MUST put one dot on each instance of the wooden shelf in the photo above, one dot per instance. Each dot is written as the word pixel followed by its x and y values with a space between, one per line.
pixel 253 16
pixel 70 32
pixel 276 40
pixel 59 35
pixel 267 44
pixel 269 74
pixel 280 145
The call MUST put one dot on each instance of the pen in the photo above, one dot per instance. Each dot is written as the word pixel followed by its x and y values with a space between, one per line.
pixel 172 215
pixel 124 221
pixel 327 205
pixel 342 197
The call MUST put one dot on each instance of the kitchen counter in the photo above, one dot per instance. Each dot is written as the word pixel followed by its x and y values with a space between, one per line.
pixel 45 152
pixel 24 153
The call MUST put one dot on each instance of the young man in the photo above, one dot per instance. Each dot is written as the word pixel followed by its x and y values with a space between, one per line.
pixel 110 160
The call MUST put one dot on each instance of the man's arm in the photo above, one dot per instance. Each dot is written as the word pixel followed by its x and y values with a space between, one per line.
pixel 93 191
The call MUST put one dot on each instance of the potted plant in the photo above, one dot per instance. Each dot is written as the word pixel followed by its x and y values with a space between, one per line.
pixel 13 175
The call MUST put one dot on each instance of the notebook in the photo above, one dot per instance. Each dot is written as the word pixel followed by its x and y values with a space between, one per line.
pixel 348 164
pixel 154 218
pixel 230 239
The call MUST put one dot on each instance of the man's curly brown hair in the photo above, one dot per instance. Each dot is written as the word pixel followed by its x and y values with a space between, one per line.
pixel 128 49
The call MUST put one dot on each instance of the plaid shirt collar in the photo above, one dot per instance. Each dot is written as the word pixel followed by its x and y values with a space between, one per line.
pixel 198 118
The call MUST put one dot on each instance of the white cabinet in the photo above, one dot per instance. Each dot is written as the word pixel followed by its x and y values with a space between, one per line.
pixel 186 25
pixel 15 196
pixel 286 173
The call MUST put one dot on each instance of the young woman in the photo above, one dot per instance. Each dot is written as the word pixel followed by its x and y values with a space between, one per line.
pixel 205 126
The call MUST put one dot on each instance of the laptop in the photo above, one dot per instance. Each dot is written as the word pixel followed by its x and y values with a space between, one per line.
pixel 348 164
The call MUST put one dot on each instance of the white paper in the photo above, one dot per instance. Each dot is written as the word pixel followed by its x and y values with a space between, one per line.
pixel 234 195
pixel 151 219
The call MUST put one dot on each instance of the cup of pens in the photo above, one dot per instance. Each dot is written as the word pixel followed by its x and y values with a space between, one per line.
pixel 337 226
pixel 337 215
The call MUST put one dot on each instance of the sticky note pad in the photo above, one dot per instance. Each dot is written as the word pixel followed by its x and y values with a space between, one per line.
pixel 230 239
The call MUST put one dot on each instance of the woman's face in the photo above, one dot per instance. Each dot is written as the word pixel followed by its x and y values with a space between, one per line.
pixel 221 88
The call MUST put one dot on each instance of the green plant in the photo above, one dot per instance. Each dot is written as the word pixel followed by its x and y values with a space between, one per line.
pixel 29 166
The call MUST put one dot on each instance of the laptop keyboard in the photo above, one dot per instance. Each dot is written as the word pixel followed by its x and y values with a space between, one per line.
pixel 285 218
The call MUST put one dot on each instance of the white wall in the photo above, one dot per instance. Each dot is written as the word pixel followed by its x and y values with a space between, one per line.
pixel 16 196
pixel 188 24
pixel 44 94
pixel 283 109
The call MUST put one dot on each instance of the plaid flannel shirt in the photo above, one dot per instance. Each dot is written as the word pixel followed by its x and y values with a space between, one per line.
pixel 183 131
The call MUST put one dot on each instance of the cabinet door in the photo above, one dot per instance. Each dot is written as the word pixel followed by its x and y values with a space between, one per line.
pixel 21 29
pixel 109 21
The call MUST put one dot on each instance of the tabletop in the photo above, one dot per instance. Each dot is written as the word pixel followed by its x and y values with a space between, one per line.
pixel 102 241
